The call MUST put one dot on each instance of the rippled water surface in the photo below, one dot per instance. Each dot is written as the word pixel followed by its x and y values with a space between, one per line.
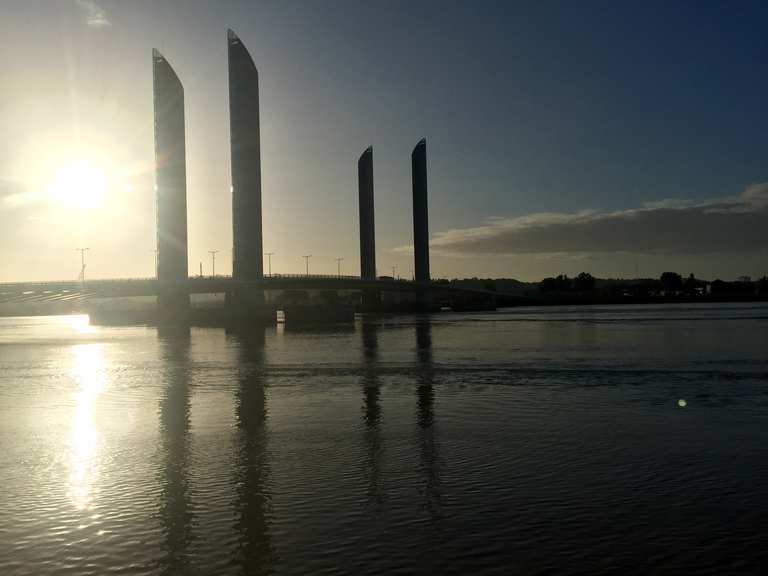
pixel 559 440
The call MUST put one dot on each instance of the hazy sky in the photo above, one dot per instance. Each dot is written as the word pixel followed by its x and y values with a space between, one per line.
pixel 611 137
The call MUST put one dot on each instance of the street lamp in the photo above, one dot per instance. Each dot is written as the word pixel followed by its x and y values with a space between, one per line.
pixel 306 259
pixel 269 261
pixel 338 264
pixel 82 262
pixel 213 262
pixel 393 271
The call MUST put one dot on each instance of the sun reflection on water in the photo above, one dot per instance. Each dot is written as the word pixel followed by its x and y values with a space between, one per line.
pixel 81 324
pixel 89 371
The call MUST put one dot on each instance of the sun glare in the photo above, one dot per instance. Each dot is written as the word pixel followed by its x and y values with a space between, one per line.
pixel 89 372
pixel 79 184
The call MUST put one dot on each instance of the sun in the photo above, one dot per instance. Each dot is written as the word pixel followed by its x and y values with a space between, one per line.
pixel 79 184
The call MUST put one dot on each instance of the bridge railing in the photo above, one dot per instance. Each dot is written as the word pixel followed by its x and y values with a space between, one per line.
pixel 44 283
pixel 77 285
pixel 301 276
pixel 344 277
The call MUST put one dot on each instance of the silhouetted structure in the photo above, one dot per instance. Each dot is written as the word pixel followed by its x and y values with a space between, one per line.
pixel 367 221
pixel 371 411
pixel 369 332
pixel 175 512
pixel 420 209
pixel 429 457
pixel 246 162
pixel 251 458
pixel 171 182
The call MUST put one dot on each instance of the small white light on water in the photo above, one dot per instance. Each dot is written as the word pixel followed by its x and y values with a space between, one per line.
pixel 682 403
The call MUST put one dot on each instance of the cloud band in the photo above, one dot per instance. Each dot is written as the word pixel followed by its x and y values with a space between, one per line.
pixel 737 224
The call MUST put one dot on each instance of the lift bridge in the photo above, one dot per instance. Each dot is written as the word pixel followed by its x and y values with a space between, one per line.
pixel 248 292
pixel 68 296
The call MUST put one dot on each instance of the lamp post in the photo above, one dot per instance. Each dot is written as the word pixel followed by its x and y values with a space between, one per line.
pixel 269 261
pixel 393 271
pixel 213 262
pixel 306 259
pixel 82 262
pixel 339 260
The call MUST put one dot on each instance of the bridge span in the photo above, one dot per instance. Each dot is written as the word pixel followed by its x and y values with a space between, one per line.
pixel 78 292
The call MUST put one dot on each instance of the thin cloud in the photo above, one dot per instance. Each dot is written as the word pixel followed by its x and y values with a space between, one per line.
pixel 95 15
pixel 727 225
pixel 13 193
pixel 8 187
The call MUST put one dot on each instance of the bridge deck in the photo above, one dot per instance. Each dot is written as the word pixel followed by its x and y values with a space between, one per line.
pixel 18 292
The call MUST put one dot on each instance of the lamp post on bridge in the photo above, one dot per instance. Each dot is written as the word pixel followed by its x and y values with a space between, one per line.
pixel 213 262
pixel 82 262
pixel 306 259
pixel 269 261
pixel 394 268
pixel 339 260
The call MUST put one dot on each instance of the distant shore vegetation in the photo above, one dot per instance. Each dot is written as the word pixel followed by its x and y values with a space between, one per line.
pixel 670 286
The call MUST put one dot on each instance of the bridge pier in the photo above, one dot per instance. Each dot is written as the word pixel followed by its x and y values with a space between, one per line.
pixel 370 301
pixel 245 310
pixel 314 315
pixel 246 307
pixel 425 301
pixel 473 305
pixel 172 306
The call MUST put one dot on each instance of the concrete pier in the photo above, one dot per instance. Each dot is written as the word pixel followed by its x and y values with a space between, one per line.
pixel 318 315
pixel 245 143
pixel 367 220
pixel 420 212
pixel 171 184
pixel 421 224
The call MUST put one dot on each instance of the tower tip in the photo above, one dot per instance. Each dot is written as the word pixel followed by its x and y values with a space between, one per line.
pixel 422 144
pixel 367 152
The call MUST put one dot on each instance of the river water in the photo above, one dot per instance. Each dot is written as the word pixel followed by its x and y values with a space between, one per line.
pixel 553 440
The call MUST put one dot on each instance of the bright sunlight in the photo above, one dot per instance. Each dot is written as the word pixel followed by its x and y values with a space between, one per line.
pixel 79 184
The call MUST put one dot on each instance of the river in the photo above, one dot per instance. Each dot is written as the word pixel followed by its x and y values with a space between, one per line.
pixel 533 440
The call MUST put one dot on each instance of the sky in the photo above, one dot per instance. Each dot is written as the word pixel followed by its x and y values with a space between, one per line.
pixel 623 139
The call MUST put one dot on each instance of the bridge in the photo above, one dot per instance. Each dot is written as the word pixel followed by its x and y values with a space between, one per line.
pixel 249 292
pixel 70 295
pixel 64 290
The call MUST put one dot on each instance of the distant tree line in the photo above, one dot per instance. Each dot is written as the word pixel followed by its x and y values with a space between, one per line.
pixel 668 284
pixel 584 282
pixel 585 286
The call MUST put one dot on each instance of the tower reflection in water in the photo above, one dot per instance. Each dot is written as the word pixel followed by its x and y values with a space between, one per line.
pixel 429 459
pixel 255 553
pixel 429 454
pixel 255 549
pixel 369 332
pixel 174 507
